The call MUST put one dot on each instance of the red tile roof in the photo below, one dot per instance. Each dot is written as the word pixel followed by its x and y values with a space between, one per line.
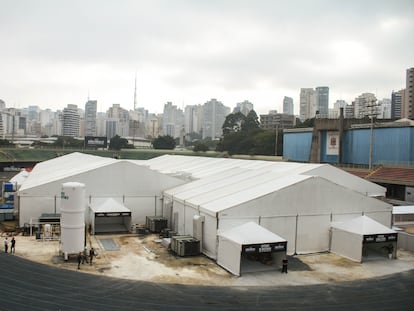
pixel 390 175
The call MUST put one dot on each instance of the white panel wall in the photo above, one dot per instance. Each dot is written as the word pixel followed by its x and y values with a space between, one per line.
pixel 284 227
pixel 178 223
pixel 209 236
pixel 345 217
pixel 382 217
pixel 229 255
pixel 189 214
pixel 229 223
pixel 140 208
pixel 313 234
pixel 34 206
pixel 346 244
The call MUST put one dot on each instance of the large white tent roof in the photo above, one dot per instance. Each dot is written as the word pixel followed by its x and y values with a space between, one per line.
pixel 362 225
pixel 251 233
pixel 202 167
pixel 62 167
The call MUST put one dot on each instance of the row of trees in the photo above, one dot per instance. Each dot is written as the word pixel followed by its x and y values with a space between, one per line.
pixel 243 135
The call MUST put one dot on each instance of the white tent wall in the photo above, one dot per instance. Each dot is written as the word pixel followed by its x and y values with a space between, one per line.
pixel 126 180
pixel 312 234
pixel 346 244
pixel 229 255
pixel 189 214
pixel 37 206
pixel 318 198
pixel 178 217
pixel 344 217
pixel 381 217
pixel 143 206
pixel 348 180
pixel 284 226
pixel 209 235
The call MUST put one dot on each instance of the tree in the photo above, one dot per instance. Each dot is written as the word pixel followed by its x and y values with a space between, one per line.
pixel 199 146
pixel 118 143
pixel 233 123
pixel 251 122
pixel 164 142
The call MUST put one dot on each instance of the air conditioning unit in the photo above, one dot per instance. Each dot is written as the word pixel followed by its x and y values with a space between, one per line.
pixel 185 246
pixel 156 223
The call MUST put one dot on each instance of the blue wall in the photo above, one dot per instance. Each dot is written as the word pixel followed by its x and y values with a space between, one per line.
pixel 392 145
pixel 297 146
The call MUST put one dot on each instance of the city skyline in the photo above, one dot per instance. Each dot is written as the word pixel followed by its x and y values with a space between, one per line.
pixel 56 53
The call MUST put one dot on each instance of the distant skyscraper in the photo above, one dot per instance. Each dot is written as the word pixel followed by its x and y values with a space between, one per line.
pixel 71 121
pixel 214 114
pixel 90 118
pixel 409 99
pixel 244 107
pixel 322 101
pixel 192 117
pixel 307 103
pixel 365 105
pixel 172 120
pixel 288 105
pixel 397 99
pixel 384 108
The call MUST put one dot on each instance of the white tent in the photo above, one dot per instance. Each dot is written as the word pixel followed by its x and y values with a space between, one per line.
pixel 136 186
pixel 362 236
pixel 249 239
pixel 108 215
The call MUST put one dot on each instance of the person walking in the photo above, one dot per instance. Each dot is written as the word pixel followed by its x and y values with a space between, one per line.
pixel 79 259
pixel 284 265
pixel 84 256
pixel 12 245
pixel 91 255
pixel 6 245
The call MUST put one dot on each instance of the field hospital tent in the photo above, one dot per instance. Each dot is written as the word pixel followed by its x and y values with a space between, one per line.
pixel 296 206
pixel 241 247
pixel 135 186
pixel 108 215
pixel 363 237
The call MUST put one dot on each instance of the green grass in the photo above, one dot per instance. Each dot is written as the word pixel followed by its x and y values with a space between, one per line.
pixel 38 155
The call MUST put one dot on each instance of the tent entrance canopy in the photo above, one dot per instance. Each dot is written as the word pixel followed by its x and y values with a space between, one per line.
pixel 109 216
pixel 250 247
pixel 363 238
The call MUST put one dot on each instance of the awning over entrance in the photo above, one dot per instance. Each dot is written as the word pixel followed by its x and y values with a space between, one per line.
pixel 249 238
pixel 109 216
pixel 109 207
pixel 349 238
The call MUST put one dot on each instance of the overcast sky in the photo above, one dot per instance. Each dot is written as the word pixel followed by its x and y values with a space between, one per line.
pixel 54 53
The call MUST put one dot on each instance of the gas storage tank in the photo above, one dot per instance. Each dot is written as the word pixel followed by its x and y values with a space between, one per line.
pixel 72 219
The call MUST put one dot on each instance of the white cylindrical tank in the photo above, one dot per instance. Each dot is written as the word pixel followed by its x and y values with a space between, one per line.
pixel 72 219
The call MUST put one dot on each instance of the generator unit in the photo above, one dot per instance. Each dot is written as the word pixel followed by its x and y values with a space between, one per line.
pixel 185 245
pixel 156 223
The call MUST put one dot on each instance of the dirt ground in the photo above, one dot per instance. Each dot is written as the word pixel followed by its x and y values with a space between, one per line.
pixel 145 258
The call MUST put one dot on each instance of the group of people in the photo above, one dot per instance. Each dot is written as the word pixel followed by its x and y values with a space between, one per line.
pixel 12 245
pixel 83 256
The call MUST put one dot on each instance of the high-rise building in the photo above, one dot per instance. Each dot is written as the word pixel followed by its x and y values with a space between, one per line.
pixel 192 117
pixel 90 118
pixel 118 118
pixel 365 105
pixel 71 121
pixel 307 108
pixel 322 101
pixel 408 112
pixel 277 121
pixel 396 104
pixel 214 115
pixel 288 105
pixel 244 107
pixel 172 120
pixel 384 108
